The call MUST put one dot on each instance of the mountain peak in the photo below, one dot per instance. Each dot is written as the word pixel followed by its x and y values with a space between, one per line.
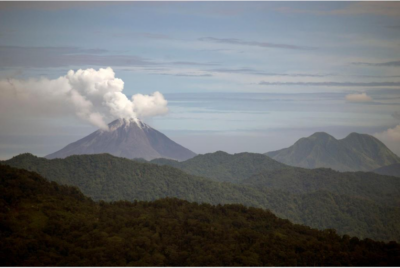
pixel 321 135
pixel 126 123
pixel 356 152
pixel 355 135
pixel 129 138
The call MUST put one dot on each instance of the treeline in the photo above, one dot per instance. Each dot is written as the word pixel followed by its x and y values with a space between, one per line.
pixel 47 224
pixel 109 178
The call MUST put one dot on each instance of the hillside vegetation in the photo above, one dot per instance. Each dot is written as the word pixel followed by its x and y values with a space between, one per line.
pixel 46 224
pixel 366 185
pixel 258 171
pixel 108 178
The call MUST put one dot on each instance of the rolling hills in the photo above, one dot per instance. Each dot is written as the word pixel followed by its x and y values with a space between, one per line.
pixel 258 170
pixel 109 178
pixel 47 224
pixel 366 185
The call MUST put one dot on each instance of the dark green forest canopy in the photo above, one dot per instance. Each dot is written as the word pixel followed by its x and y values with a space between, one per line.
pixel 383 190
pixel 47 224
pixel 109 178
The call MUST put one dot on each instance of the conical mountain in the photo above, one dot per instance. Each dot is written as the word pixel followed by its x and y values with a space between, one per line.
pixel 356 152
pixel 129 138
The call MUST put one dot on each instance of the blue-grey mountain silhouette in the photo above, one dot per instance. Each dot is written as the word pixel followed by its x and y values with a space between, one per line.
pixel 129 138
pixel 356 152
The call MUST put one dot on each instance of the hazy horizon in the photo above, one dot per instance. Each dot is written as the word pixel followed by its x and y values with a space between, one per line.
pixel 230 76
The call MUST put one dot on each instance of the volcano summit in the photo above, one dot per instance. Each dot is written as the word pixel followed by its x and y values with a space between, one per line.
pixel 129 138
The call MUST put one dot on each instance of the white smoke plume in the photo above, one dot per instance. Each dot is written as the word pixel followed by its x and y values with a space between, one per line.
pixel 92 95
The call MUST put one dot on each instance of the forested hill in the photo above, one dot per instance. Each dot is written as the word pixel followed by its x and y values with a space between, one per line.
pixel 109 178
pixel 221 166
pixel 383 190
pixel 257 171
pixel 46 224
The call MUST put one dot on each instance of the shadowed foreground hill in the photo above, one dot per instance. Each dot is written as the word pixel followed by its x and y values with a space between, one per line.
pixel 45 224
pixel 109 178
pixel 356 152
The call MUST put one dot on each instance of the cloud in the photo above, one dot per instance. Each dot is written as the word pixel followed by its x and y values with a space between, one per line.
pixel 396 115
pixel 53 6
pixel 360 8
pixel 384 64
pixel 92 95
pixel 391 135
pixel 147 35
pixel 257 72
pixel 195 63
pixel 45 57
pixel 42 57
pixel 235 41
pixel 358 97
pixel 333 84
pixel 377 8
pixel 187 74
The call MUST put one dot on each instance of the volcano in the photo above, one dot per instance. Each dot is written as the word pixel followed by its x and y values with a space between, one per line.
pixel 129 138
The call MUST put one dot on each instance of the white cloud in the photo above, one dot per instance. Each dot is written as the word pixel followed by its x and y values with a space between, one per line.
pixel 392 134
pixel 149 106
pixel 92 95
pixel 391 138
pixel 358 97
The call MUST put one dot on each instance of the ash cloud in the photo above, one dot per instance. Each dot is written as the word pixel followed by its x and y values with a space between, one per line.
pixel 92 95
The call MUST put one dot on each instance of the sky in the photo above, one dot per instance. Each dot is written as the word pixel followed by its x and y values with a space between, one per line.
pixel 230 76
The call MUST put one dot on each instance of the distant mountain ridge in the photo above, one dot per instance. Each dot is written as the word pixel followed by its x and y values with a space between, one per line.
pixel 129 138
pixel 261 172
pixel 224 167
pixel 391 170
pixel 356 152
